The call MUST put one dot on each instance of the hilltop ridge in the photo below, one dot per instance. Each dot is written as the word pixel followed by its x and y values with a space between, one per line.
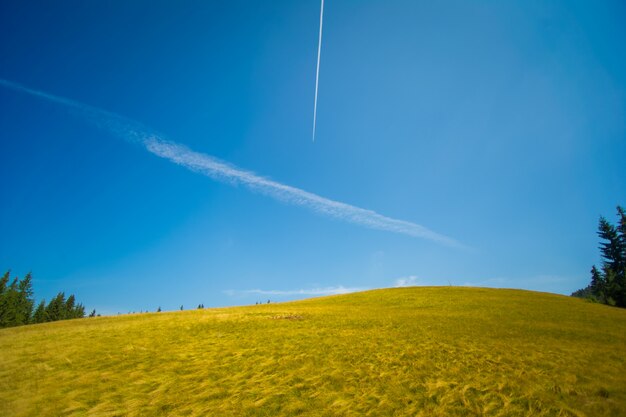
pixel 400 351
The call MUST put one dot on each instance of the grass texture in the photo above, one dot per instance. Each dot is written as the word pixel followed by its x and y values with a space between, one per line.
pixel 421 351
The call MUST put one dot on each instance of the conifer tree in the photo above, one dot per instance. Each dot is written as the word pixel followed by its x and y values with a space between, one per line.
pixel 621 229
pixel 10 315
pixel 3 282
pixel 598 284
pixel 80 311
pixel 56 308
pixel 17 302
pixel 25 300
pixel 612 250
pixel 69 306
pixel 40 313
pixel 4 298
pixel 608 285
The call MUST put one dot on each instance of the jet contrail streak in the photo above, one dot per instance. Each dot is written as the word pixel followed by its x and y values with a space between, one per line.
pixel 225 172
pixel 317 72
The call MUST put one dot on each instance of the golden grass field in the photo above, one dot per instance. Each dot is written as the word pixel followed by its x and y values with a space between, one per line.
pixel 421 351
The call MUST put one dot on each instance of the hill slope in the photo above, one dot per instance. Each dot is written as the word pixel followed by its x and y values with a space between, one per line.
pixel 410 351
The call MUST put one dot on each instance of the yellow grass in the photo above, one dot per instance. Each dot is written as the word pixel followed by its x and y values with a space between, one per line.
pixel 403 352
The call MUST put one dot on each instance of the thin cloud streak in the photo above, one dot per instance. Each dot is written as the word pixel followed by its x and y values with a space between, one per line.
pixel 410 281
pixel 224 172
pixel 312 291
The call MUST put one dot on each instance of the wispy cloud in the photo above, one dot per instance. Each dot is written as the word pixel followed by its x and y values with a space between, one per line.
pixel 222 171
pixel 409 281
pixel 309 291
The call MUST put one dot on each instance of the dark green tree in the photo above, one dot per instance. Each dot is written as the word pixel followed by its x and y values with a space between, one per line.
pixel 79 311
pixel 16 301
pixel 69 306
pixel 25 300
pixel 621 229
pixel 598 284
pixel 10 315
pixel 73 310
pixel 4 281
pixel 4 298
pixel 40 313
pixel 17 304
pixel 55 310
pixel 608 285
pixel 612 250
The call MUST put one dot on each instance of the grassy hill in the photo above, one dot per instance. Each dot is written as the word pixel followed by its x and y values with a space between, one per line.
pixel 424 351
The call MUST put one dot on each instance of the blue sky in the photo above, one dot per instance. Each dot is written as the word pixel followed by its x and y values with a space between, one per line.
pixel 497 124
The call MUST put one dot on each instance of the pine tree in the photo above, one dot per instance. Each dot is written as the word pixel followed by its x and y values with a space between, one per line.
pixel 17 303
pixel 79 311
pixel 26 301
pixel 93 313
pixel 4 303
pixel 10 312
pixel 612 250
pixel 598 285
pixel 614 254
pixel 73 310
pixel 621 228
pixel 4 281
pixel 56 308
pixel 40 313
pixel 69 306
pixel 609 285
pixel 613 289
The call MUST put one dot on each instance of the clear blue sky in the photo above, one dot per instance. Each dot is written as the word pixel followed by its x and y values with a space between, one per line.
pixel 498 124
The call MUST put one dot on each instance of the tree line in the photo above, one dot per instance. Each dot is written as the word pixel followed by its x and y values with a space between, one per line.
pixel 608 284
pixel 17 304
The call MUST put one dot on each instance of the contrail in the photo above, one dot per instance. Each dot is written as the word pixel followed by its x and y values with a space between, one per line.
pixel 317 72
pixel 223 171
